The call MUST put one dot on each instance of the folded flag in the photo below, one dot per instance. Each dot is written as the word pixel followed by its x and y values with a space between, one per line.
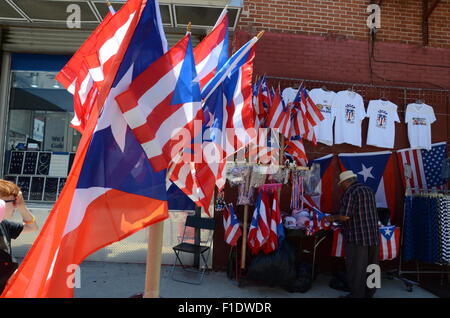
pixel 231 225
pixel 389 243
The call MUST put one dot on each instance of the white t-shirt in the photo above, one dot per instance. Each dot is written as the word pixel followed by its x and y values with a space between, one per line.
pixel 383 116
pixel 289 94
pixel 349 112
pixel 419 118
pixel 323 100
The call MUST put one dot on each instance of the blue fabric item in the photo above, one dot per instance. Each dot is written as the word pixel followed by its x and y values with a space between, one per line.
pixel 38 62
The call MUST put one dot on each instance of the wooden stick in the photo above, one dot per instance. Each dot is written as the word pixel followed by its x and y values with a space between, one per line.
pixel 154 254
pixel 244 237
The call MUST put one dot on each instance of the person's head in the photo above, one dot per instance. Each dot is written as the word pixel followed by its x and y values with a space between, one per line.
pixel 8 193
pixel 346 179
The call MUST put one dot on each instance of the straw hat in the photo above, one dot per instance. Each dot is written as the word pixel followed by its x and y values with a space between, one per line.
pixel 346 175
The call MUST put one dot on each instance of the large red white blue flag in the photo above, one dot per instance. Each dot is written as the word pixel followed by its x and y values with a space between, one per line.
pixel 112 190
pixel 84 75
pixel 322 195
pixel 162 104
pixel 375 169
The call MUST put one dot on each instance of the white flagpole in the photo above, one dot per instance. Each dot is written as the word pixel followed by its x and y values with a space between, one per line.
pixel 110 7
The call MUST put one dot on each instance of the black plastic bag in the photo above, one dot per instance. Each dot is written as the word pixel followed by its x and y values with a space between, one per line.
pixel 274 269
pixel 303 283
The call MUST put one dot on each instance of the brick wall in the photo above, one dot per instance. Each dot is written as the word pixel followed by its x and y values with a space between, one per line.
pixel 401 20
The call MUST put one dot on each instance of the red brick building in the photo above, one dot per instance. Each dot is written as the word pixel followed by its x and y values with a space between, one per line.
pixel 328 43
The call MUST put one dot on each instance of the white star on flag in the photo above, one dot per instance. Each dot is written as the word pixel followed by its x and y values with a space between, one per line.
pixel 387 232
pixel 366 172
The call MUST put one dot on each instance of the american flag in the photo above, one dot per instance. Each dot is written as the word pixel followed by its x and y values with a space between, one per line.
pixel 231 225
pixel 425 166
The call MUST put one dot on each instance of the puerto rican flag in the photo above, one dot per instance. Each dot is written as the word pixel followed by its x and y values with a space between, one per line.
pixel 426 166
pixel 318 223
pixel 323 196
pixel 276 235
pixel 306 117
pixel 112 190
pixel 163 103
pixel 84 74
pixel 296 150
pixel 210 56
pixel 337 249
pixel 279 116
pixel 389 243
pixel 264 102
pixel 375 169
pixel 231 225
pixel 212 52
pixel 259 231
pixel 230 125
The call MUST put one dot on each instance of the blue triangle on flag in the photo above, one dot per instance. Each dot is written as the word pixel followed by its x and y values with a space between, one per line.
pixel 369 168
pixel 187 89
pixel 387 231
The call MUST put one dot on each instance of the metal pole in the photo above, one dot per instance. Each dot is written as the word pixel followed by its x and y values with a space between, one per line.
pixel 197 237
pixel 4 107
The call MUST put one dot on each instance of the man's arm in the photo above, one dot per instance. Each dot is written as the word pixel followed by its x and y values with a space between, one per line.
pixel 345 212
pixel 28 218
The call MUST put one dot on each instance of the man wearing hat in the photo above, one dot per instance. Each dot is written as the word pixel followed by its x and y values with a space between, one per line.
pixel 359 217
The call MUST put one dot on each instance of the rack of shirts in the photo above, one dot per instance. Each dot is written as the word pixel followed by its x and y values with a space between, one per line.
pixel 427 228
pixel 426 232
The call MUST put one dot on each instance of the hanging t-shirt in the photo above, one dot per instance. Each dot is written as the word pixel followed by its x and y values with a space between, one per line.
pixel 383 116
pixel 349 112
pixel 289 94
pixel 419 118
pixel 324 101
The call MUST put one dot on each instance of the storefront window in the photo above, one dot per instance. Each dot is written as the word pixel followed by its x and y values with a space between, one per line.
pixel 40 144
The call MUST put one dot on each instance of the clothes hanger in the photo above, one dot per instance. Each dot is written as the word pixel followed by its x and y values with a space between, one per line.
pixel 325 88
pixel 383 97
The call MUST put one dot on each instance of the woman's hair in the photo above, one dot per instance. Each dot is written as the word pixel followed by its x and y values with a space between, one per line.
pixel 7 188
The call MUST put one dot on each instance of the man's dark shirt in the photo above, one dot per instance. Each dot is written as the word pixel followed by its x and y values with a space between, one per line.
pixel 358 203
pixel 8 231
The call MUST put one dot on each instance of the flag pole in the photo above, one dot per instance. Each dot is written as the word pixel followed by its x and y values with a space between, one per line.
pixel 154 255
pixel 154 251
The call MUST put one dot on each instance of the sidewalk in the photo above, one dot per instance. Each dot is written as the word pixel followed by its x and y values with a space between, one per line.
pixel 122 280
